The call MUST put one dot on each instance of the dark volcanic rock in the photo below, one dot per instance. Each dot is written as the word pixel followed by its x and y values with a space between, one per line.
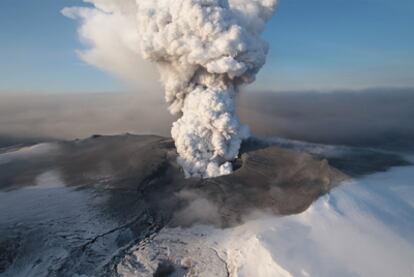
pixel 144 167
pixel 354 161
pixel 271 179
pixel 92 199
pixel 8 251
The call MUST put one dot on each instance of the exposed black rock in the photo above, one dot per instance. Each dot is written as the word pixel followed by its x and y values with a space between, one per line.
pixel 165 268
pixel 9 248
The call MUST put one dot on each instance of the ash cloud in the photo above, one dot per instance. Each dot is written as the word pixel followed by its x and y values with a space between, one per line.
pixel 28 118
pixel 203 49
pixel 376 117
pixel 108 30
pixel 379 117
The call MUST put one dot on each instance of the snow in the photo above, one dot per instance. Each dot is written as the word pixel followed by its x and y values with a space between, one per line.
pixel 362 228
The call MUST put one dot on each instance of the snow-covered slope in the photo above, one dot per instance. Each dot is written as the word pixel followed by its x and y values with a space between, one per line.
pixel 362 228
pixel 68 209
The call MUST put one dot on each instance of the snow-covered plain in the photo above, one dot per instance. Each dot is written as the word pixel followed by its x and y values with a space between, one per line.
pixel 362 228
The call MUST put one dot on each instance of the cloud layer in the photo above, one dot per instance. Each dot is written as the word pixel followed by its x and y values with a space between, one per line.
pixel 375 117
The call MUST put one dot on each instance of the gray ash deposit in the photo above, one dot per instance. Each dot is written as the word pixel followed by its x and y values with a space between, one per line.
pixel 75 207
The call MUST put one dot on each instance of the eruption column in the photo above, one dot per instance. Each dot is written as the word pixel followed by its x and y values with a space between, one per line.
pixel 205 50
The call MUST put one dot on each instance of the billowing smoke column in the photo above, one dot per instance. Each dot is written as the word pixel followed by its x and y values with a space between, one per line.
pixel 205 49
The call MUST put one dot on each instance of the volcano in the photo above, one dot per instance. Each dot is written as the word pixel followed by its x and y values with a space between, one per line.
pixel 76 206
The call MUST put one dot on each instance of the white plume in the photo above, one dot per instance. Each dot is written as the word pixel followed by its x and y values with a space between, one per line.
pixel 109 31
pixel 204 50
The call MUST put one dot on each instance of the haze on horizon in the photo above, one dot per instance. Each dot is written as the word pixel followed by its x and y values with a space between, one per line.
pixel 53 86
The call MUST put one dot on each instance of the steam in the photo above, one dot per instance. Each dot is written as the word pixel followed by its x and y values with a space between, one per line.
pixel 109 31
pixel 205 50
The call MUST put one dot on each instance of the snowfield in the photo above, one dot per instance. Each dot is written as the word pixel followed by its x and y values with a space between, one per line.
pixel 362 228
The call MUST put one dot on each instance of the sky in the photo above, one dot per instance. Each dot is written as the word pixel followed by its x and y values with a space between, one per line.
pixel 314 45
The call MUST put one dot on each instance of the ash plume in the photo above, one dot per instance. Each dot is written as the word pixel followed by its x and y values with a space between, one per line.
pixel 205 50
pixel 109 32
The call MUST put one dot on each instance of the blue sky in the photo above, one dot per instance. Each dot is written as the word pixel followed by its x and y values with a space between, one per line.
pixel 315 45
